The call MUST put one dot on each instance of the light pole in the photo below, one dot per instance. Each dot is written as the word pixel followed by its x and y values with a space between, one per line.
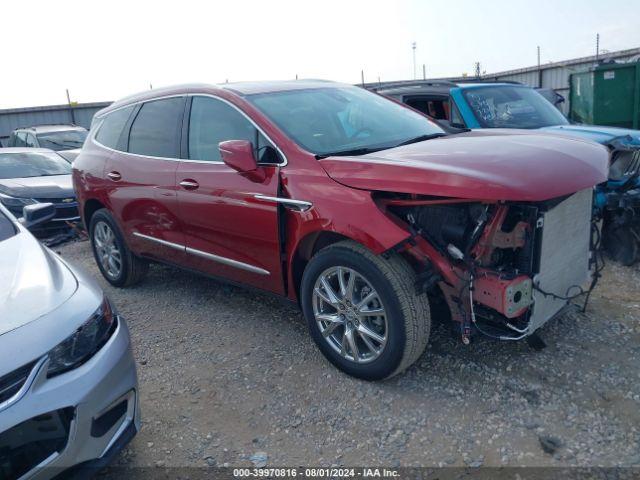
pixel 413 47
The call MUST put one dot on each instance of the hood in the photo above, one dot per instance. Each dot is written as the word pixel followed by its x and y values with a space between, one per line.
pixel 54 186
pixel 482 165
pixel 69 155
pixel 595 133
pixel 33 282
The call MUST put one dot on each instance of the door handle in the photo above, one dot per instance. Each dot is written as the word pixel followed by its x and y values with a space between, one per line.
pixel 189 184
pixel 115 176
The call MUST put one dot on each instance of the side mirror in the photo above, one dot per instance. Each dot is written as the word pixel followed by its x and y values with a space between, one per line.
pixel 239 155
pixel 37 214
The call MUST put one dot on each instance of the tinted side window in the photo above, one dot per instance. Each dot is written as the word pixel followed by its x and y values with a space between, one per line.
pixel 112 126
pixel 212 121
pixel 156 129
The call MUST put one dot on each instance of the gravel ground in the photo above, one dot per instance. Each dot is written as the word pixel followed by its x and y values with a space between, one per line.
pixel 231 377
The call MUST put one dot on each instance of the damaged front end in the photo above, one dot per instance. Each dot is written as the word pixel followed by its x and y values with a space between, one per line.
pixel 503 269
pixel 617 202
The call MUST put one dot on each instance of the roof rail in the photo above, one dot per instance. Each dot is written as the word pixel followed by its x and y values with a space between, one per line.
pixel 407 83
pixel 28 127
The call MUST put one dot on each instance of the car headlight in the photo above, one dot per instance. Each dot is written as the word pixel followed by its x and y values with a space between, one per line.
pixel 84 343
pixel 624 164
pixel 15 204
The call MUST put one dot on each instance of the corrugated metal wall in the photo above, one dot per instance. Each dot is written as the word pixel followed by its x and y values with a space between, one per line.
pixel 80 114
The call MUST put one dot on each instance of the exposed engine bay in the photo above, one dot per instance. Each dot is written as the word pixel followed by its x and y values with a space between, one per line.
pixel 617 203
pixel 503 269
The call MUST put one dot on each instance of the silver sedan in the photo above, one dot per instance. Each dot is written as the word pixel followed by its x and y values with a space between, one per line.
pixel 68 383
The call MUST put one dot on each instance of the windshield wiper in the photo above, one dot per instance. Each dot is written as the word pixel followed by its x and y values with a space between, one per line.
pixel 422 138
pixel 354 151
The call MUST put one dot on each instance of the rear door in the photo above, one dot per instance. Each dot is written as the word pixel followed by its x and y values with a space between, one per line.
pixel 142 175
pixel 228 231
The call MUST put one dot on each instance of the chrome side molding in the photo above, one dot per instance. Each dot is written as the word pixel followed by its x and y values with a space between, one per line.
pixel 296 205
pixel 209 256
pixel 176 246
pixel 228 261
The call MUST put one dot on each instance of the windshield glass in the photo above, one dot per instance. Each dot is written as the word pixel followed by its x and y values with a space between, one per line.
pixel 22 165
pixel 512 107
pixel 338 119
pixel 63 140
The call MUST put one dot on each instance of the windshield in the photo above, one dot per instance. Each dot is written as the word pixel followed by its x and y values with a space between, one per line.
pixel 22 165
pixel 63 140
pixel 340 119
pixel 512 107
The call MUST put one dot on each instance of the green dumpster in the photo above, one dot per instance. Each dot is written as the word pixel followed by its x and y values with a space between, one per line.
pixel 609 94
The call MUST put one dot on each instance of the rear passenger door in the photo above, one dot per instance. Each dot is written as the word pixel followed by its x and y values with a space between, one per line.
pixel 142 175
pixel 228 231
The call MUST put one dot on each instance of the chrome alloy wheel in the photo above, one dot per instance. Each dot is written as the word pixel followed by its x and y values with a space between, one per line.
pixel 107 250
pixel 350 314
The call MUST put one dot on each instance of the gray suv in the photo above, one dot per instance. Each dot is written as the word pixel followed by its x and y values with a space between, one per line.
pixel 67 140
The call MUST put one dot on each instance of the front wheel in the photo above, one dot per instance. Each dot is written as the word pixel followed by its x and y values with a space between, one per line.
pixel 363 312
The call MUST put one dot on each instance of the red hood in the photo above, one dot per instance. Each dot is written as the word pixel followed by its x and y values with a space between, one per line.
pixel 487 165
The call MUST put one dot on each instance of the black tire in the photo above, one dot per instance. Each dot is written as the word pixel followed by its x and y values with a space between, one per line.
pixel 408 314
pixel 621 245
pixel 133 268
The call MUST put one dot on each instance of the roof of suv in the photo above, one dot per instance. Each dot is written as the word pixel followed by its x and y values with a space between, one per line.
pixel 51 128
pixel 239 88
pixel 436 86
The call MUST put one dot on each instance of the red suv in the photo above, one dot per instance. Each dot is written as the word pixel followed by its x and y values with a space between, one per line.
pixel 362 210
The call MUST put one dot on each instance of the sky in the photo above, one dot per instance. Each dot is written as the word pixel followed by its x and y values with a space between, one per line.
pixel 104 50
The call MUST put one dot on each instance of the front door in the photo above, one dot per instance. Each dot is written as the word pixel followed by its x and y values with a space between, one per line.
pixel 228 231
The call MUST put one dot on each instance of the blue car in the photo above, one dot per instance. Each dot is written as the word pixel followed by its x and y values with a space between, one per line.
pixel 512 105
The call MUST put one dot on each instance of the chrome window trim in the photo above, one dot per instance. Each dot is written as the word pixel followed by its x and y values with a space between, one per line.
pixel 25 386
pixel 209 256
pixel 298 205
pixel 101 119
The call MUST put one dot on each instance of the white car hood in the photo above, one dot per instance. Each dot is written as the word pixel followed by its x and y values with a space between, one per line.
pixel 33 281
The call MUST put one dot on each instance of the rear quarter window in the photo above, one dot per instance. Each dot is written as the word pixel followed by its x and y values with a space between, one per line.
pixel 112 126
pixel 156 130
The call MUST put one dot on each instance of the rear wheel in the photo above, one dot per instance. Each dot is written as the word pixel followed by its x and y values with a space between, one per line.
pixel 116 262
pixel 363 312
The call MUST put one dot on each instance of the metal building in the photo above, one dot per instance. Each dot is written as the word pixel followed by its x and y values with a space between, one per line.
pixel 78 114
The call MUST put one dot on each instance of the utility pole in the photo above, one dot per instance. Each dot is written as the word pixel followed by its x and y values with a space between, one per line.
pixel 424 71
pixel 477 69
pixel 71 112
pixel 413 47
pixel 362 77
pixel 597 47
pixel 539 71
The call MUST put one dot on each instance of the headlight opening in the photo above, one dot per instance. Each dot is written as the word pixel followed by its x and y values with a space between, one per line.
pixel 84 342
